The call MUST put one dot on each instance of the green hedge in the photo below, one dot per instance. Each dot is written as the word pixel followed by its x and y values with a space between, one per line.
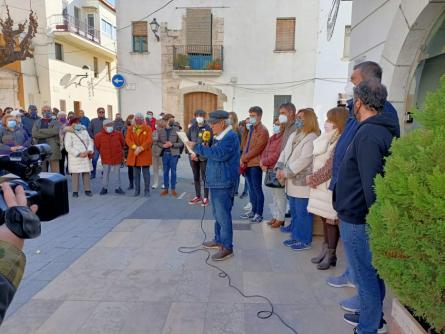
pixel 408 219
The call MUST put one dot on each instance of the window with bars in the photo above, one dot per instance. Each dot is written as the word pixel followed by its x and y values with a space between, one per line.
pixel 140 36
pixel 278 100
pixel 96 67
pixel 62 104
pixel 285 34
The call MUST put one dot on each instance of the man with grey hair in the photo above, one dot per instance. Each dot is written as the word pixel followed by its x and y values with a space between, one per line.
pixel 354 194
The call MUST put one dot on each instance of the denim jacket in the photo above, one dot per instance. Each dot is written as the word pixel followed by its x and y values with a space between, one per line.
pixel 223 159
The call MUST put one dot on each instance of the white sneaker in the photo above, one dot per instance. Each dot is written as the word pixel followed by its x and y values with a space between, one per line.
pixel 155 186
pixel 248 207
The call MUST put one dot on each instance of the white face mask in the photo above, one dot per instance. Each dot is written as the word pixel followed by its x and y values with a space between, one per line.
pixel 328 127
pixel 200 120
pixel 282 119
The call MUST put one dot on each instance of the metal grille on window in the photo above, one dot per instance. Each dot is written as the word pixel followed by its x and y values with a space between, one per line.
pixel 278 100
pixel 285 38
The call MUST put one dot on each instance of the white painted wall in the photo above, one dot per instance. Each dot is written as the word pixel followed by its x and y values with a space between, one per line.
pixel 330 59
pixel 249 42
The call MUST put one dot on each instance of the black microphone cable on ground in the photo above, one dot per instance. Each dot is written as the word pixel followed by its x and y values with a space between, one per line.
pixel 264 314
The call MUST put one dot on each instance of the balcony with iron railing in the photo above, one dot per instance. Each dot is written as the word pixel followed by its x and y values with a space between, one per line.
pixel 68 23
pixel 198 60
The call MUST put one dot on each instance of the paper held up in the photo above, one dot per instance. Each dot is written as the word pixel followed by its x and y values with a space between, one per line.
pixel 183 136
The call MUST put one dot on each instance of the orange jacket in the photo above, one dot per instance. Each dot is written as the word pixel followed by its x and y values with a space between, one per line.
pixel 139 135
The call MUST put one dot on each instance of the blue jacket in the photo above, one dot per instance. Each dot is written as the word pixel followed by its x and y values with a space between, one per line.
pixel 223 159
pixel 348 135
pixel 85 121
pixel 363 161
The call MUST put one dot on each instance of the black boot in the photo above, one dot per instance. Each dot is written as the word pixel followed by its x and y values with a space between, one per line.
pixel 322 254
pixel 329 260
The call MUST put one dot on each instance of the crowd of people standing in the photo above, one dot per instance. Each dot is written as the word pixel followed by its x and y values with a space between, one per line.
pixel 327 173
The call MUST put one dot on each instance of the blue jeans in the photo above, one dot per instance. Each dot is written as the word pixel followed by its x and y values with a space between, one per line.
pixel 94 161
pixel 169 163
pixel 301 220
pixel 222 203
pixel 371 288
pixel 254 177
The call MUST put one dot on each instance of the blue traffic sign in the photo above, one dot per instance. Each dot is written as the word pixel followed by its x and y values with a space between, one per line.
pixel 118 80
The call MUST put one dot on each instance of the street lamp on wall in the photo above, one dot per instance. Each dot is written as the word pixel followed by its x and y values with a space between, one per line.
pixel 154 25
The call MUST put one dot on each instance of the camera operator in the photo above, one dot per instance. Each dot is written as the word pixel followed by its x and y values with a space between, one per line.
pixel 19 222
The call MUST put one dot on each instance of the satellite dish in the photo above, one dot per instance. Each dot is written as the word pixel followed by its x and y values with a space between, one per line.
pixel 65 81
pixel 332 18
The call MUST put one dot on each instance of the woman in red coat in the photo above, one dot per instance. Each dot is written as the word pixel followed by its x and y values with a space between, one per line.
pixel 139 140
pixel 110 144
pixel 269 158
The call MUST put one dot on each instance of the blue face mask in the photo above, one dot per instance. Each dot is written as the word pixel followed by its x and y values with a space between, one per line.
pixel 252 120
pixel 78 127
pixel 248 126
pixel 12 124
pixel 47 114
pixel 109 129
pixel 276 129
pixel 299 123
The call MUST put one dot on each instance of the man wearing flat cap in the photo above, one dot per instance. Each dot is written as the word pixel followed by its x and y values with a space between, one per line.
pixel 221 177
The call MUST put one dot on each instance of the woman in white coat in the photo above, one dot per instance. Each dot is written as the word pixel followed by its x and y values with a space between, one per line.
pixel 320 198
pixel 80 150
pixel 294 164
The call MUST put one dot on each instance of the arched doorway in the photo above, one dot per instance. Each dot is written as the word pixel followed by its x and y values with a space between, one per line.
pixel 198 100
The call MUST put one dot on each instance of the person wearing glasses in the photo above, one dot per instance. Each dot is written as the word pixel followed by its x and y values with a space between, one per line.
pixel 96 126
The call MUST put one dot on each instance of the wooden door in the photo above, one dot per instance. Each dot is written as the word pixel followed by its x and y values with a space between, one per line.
pixel 198 100
pixel 76 108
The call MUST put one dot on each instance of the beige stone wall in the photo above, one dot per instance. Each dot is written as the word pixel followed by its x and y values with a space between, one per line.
pixel 172 92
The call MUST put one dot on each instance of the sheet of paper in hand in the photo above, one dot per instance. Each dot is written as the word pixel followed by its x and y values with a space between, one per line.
pixel 183 136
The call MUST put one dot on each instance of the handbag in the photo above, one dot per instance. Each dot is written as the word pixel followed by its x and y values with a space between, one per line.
pixel 242 169
pixel 271 180
pixel 90 154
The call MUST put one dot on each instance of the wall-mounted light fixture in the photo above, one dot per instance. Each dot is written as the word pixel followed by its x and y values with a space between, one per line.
pixel 154 25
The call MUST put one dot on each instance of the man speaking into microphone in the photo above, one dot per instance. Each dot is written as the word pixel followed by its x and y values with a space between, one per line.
pixel 222 173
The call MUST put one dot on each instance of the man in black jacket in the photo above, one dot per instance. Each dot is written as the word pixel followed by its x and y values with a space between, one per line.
pixel 201 133
pixel 354 194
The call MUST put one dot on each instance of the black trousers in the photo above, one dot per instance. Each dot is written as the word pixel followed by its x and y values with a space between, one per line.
pixel 199 173
pixel 130 175
pixel 62 162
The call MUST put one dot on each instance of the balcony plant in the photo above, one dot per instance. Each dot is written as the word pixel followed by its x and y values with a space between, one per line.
pixel 181 61
pixel 407 222
pixel 215 65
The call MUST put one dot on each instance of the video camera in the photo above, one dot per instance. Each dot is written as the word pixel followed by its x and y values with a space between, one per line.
pixel 48 190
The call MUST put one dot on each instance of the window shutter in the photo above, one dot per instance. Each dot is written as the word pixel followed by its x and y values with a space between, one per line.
pixel 199 26
pixel 140 29
pixel 285 40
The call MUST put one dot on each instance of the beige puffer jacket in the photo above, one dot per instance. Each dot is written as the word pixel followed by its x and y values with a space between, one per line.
pixel 320 198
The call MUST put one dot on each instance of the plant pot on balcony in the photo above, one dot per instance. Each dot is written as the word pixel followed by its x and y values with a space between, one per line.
pixel 406 321
pixel 217 67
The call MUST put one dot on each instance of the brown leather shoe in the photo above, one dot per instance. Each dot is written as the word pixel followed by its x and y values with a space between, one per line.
pixel 174 193
pixel 211 245
pixel 271 222
pixel 164 192
pixel 277 224
pixel 223 254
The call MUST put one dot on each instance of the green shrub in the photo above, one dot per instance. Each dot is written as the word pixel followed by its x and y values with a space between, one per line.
pixel 181 61
pixel 407 222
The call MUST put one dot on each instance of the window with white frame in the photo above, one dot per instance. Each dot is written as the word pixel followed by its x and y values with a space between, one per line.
pixel 108 29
